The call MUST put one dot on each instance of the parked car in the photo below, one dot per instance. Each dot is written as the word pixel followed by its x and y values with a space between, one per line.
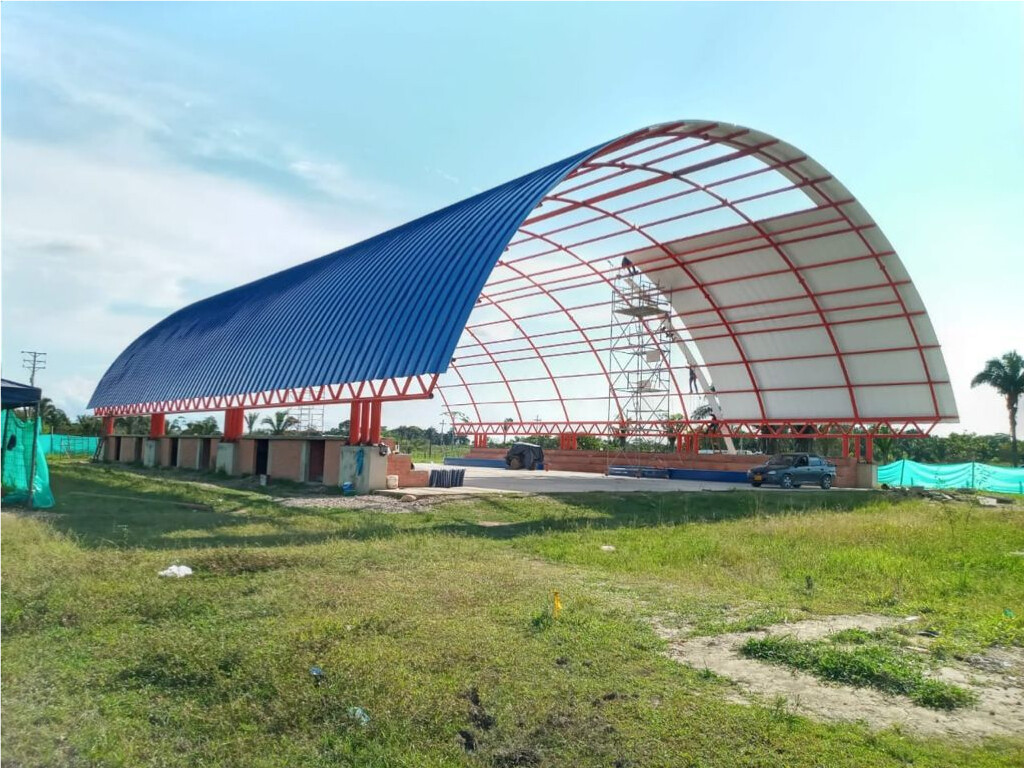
pixel 524 456
pixel 791 470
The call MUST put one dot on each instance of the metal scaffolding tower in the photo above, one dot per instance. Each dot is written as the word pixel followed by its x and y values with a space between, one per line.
pixel 639 357
pixel 311 418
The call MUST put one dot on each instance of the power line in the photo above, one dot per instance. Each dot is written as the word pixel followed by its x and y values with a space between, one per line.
pixel 33 361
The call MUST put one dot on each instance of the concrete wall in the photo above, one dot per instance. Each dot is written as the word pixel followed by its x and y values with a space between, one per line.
pixel 374 468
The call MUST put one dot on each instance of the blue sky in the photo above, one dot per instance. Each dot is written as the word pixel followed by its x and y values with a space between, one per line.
pixel 156 153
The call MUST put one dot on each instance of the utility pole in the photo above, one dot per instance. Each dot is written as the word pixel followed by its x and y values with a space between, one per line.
pixel 33 361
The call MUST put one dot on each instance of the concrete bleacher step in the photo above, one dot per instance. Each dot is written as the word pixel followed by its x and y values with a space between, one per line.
pixel 400 464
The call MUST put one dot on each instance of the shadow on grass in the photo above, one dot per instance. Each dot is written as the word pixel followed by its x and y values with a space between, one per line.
pixel 111 508
pixel 101 510
pixel 603 511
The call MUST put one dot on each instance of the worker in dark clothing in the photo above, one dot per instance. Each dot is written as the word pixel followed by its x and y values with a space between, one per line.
pixel 693 379
pixel 629 266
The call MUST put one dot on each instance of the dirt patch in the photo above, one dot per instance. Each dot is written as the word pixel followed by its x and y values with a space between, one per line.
pixel 996 678
pixel 370 502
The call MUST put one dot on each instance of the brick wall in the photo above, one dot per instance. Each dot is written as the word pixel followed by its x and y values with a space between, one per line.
pixel 129 446
pixel 245 456
pixel 163 452
pixel 188 452
pixel 332 461
pixel 287 459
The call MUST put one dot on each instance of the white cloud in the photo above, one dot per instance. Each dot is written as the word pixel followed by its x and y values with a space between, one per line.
pixel 333 179
pixel 110 227
pixel 96 251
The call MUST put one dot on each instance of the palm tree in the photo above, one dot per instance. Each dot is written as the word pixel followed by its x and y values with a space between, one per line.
pixel 702 413
pixel 202 428
pixel 281 423
pixel 51 416
pixel 1006 376
pixel 250 422
pixel 88 425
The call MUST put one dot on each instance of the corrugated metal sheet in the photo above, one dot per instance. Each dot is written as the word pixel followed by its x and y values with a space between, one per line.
pixel 323 322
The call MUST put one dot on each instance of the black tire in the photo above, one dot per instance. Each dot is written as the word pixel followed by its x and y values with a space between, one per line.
pixel 826 481
pixel 516 462
pixel 533 466
pixel 786 482
pixel 756 485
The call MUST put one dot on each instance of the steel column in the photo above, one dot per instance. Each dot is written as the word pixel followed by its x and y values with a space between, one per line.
pixel 355 422
pixel 364 423
pixel 374 434
pixel 234 424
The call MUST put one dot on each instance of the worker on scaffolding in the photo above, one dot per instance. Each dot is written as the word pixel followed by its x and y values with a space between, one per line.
pixel 693 380
pixel 629 266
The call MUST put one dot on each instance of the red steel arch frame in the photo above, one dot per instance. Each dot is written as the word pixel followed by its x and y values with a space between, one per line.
pixel 676 199
pixel 637 163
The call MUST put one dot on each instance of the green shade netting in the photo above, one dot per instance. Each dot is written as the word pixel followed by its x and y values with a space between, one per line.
pixel 17 459
pixel 68 445
pixel 983 477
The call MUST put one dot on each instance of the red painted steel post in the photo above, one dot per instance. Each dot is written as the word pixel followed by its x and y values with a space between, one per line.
pixel 869 450
pixel 108 425
pixel 355 422
pixel 374 436
pixel 364 423
pixel 157 424
pixel 846 446
pixel 679 443
pixel 234 424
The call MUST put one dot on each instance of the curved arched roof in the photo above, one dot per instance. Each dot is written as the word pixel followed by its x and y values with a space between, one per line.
pixel 783 291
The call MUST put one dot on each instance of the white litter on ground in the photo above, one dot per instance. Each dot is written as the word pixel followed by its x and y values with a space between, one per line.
pixel 607 548
pixel 176 572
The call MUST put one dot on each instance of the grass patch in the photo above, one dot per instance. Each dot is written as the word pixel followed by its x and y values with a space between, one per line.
pixel 865 663
pixel 441 629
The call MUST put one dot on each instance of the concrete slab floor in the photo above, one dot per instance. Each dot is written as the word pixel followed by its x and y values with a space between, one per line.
pixel 485 480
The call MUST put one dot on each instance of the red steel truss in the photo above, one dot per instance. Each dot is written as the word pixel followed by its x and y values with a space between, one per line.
pixel 633 200
pixel 725 428
pixel 383 390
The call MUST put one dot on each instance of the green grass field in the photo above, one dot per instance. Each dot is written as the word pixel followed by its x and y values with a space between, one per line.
pixel 439 628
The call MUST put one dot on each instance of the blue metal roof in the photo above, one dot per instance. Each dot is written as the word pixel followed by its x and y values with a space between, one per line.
pixel 394 305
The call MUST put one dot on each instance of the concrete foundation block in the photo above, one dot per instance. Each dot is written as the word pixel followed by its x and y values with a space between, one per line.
pixel 867 476
pixel 226 453
pixel 364 467
pixel 150 452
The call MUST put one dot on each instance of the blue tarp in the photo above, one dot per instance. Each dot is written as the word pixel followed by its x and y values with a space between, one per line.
pixel 984 477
